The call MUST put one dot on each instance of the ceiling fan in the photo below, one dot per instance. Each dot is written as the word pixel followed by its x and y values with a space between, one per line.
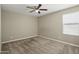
pixel 36 8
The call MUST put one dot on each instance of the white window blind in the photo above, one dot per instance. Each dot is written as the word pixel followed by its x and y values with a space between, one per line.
pixel 71 23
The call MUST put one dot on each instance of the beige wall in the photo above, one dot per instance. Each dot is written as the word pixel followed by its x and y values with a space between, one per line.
pixel 0 28
pixel 17 26
pixel 51 26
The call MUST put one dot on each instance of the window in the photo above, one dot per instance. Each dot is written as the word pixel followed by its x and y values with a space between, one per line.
pixel 71 23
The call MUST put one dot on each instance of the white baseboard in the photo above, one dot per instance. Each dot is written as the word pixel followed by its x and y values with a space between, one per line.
pixel 59 41
pixel 18 39
pixel 42 37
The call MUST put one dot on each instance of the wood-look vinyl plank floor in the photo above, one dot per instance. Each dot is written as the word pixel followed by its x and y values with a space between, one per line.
pixel 38 45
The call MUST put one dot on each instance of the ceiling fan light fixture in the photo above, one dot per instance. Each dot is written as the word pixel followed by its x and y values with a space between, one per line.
pixel 37 11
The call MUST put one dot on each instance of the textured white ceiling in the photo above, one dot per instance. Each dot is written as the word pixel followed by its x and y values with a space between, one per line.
pixel 21 8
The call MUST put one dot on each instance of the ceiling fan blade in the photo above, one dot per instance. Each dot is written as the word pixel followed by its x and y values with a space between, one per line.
pixel 38 6
pixel 32 11
pixel 43 9
pixel 39 12
pixel 29 7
